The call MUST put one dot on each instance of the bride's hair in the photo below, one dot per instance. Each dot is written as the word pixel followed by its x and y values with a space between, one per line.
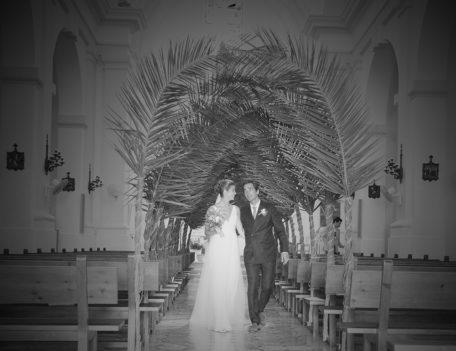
pixel 223 184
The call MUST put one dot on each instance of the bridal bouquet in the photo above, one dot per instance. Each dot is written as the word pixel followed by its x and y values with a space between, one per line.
pixel 214 221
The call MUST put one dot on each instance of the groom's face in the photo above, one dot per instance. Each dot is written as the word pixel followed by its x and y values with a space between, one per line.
pixel 250 193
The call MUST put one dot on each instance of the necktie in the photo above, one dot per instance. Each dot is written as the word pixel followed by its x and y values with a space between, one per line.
pixel 254 210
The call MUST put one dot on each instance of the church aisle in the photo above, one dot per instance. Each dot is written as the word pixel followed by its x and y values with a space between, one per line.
pixel 282 332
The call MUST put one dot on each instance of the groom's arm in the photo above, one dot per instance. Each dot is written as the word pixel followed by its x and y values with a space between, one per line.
pixel 279 229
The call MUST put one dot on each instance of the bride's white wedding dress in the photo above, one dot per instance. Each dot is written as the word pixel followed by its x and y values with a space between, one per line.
pixel 221 302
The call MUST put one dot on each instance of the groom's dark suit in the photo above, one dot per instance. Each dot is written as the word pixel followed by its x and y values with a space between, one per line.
pixel 260 253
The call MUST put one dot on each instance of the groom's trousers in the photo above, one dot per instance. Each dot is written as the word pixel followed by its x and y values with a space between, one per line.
pixel 259 288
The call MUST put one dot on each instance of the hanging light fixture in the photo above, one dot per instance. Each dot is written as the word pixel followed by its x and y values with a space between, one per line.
pixel 15 159
pixel 70 183
pixel 374 191
pixel 430 170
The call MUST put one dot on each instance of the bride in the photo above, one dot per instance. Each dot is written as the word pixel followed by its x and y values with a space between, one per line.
pixel 221 297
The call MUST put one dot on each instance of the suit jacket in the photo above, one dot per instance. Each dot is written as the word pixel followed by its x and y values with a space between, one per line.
pixel 260 241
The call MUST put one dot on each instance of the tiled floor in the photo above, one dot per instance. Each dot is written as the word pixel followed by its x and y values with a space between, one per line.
pixel 282 332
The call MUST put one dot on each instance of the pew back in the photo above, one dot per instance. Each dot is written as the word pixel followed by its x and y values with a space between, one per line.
pixel 117 260
pixel 334 279
pixel 292 269
pixel 28 285
pixel 317 275
pixel 411 288
pixel 38 282
pixel 303 272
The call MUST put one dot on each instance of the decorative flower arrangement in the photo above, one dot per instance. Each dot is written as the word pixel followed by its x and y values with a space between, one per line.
pixel 214 221
pixel 263 212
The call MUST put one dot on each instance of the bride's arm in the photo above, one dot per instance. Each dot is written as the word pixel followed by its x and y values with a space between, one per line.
pixel 239 227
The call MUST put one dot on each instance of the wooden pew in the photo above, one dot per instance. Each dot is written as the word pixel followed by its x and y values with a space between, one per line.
pixel 421 343
pixel 292 278
pixel 316 297
pixel 324 285
pixel 287 283
pixel 174 268
pixel 403 300
pixel 303 278
pixel 161 291
pixel 31 294
pixel 161 288
pixel 138 331
pixel 128 285
pixel 163 279
pixel 281 282
pixel 334 290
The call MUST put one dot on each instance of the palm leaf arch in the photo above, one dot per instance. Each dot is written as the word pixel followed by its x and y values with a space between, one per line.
pixel 246 152
pixel 282 113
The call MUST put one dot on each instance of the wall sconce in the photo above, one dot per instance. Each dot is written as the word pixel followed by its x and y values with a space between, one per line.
pixel 70 183
pixel 395 170
pixel 51 163
pixel 430 170
pixel 95 183
pixel 374 191
pixel 15 159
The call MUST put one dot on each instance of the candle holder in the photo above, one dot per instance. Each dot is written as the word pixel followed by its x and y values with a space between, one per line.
pixel 93 183
pixel 54 161
pixel 394 169
pixel 430 170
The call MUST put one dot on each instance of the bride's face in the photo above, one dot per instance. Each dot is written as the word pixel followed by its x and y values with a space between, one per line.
pixel 229 193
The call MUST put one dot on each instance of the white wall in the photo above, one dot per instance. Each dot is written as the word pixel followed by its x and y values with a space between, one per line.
pixel 418 218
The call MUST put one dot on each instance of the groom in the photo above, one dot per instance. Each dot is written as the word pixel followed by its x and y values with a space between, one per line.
pixel 258 218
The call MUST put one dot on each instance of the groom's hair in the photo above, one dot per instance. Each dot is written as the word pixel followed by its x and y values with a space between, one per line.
pixel 255 184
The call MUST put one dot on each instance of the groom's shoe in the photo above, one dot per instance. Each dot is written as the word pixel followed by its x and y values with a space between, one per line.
pixel 262 319
pixel 254 328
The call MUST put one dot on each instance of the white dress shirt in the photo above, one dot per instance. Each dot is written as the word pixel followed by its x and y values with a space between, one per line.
pixel 254 209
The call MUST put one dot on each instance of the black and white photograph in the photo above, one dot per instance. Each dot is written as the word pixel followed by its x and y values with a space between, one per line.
pixel 227 175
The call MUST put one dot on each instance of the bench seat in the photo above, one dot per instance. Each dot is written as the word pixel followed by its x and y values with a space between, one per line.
pixel 421 343
pixel 117 340
pixel 59 324
pixel 406 300
pixel 401 328
pixel 38 346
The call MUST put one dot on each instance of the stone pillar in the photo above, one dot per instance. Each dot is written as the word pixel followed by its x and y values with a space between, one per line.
pixel 425 201
pixel 21 225
pixel 113 214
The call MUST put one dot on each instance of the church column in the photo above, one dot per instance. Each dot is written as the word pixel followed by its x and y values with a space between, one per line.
pixel 21 111
pixel 112 215
pixel 424 201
